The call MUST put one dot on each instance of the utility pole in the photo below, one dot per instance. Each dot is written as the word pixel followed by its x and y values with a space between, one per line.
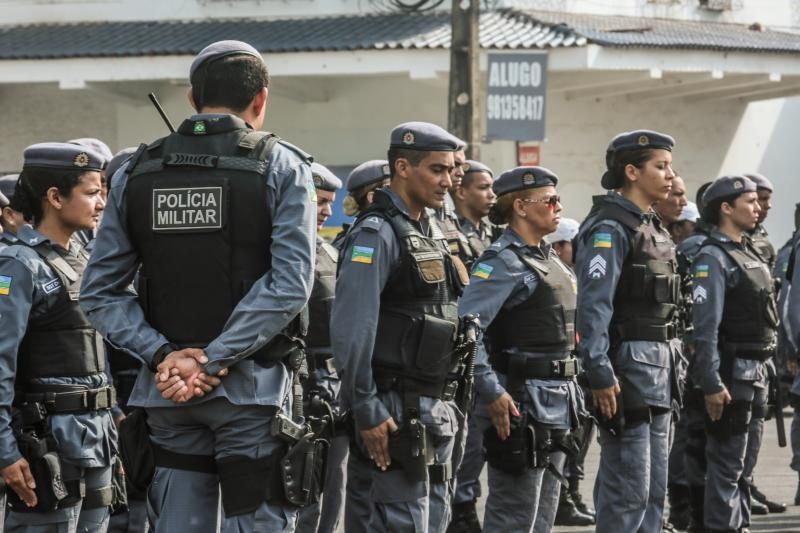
pixel 463 118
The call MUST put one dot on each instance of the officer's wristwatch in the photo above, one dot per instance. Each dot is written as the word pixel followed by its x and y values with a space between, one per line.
pixel 161 354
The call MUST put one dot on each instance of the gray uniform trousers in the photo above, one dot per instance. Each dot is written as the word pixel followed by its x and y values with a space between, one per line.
pixel 727 494
pixel 186 501
pixel 677 452
pixel 695 456
pixel 324 516
pixel 357 507
pixel 134 521
pixel 72 519
pixel 795 429
pixel 468 483
pixel 632 478
pixel 521 503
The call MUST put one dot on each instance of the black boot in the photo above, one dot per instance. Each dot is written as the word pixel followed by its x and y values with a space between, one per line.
pixel 569 515
pixel 696 498
pixel 774 507
pixel 577 499
pixel 678 496
pixel 757 508
pixel 464 519
pixel 797 494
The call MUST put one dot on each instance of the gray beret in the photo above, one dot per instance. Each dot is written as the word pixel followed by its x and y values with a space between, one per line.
pixel 761 181
pixel 521 178
pixel 425 137
pixel 64 156
pixel 3 201
pixel 476 166
pixel 118 160
pixel 324 179
pixel 221 49
pixel 727 186
pixel 8 183
pixel 367 173
pixel 632 140
pixel 95 144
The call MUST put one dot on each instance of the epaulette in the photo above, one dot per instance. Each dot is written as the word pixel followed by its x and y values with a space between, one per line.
pixel 372 223
pixel 308 158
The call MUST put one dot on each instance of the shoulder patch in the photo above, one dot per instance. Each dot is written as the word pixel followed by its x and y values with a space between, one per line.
pixel 699 295
pixel 597 267
pixel 482 271
pixel 5 285
pixel 701 271
pixel 601 240
pixel 372 223
pixel 312 191
pixel 362 254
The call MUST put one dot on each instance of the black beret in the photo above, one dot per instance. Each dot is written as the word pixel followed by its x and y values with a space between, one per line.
pixel 95 144
pixel 119 159
pixel 367 173
pixel 476 166
pixel 324 179
pixel 64 156
pixel 221 49
pixel 425 137
pixel 520 178
pixel 3 201
pixel 8 183
pixel 761 181
pixel 632 140
pixel 727 186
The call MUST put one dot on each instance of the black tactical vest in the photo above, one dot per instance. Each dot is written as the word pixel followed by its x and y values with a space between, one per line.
pixel 649 287
pixel 196 204
pixel 476 243
pixel 321 301
pixel 61 342
pixel 763 247
pixel 750 315
pixel 457 242
pixel 418 319
pixel 545 322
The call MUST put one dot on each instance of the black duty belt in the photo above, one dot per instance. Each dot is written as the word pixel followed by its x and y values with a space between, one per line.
pixel 440 473
pixel 56 399
pixel 753 351
pixel 164 458
pixel 445 390
pixel 632 331
pixel 537 368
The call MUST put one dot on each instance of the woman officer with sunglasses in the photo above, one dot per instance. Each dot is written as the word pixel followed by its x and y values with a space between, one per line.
pixel 524 297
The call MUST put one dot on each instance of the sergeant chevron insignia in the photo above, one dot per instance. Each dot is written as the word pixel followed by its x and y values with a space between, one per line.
pixel 597 267
pixel 699 295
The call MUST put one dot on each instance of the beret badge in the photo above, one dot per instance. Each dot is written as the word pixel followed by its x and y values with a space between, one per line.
pixel 528 178
pixel 408 137
pixel 737 184
pixel 385 170
pixel 644 140
pixel 81 160
pixel 465 166
pixel 317 181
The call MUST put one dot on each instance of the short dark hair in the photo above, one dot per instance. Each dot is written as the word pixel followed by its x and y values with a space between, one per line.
pixel 469 177
pixel 32 188
pixel 414 157
pixel 711 211
pixel 617 161
pixel 231 82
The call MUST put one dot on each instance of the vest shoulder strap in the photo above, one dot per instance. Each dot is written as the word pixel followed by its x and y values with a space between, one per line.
pixel 330 251
pixel 57 263
pixel 792 259
pixel 537 265
pixel 609 211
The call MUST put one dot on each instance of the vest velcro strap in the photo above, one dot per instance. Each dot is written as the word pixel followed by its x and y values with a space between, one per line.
pixel 71 401
pixel 634 331
pixel 753 351
pixel 440 473
pixel 97 498
pixel 537 368
pixel 183 461
pixel 244 164
pixel 445 390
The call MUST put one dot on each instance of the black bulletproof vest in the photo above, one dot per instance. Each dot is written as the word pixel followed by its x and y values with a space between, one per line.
pixel 750 314
pixel 457 242
pixel 763 247
pixel 649 286
pixel 477 244
pixel 545 322
pixel 321 301
pixel 61 342
pixel 418 319
pixel 197 215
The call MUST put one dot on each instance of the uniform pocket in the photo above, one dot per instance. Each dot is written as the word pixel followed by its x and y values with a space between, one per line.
pixel 646 369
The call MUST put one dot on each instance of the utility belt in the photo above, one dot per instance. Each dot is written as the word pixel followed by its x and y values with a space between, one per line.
pixel 528 446
pixel 734 421
pixel 294 474
pixel 535 367
pixel 629 416
pixel 753 351
pixel 445 390
pixel 633 331
pixel 39 400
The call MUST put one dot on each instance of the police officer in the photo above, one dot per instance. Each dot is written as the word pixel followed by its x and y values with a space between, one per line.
pixel 394 327
pixel 473 199
pixel 759 234
pixel 528 397
pixel 447 216
pixel 561 240
pixel 361 185
pixel 86 237
pixel 735 320
pixel 685 223
pixel 10 219
pixel 57 453
pixel 627 283
pixel 220 217
pixel 323 384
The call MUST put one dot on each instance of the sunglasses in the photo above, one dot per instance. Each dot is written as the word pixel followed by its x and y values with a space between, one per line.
pixel 551 201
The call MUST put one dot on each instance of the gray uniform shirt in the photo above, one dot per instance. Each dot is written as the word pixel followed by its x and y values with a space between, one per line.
pixel 85 439
pixel 272 302
pixel 793 303
pixel 503 281
pixel 713 274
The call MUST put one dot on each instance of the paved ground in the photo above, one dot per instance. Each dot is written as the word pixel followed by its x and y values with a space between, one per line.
pixel 773 477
